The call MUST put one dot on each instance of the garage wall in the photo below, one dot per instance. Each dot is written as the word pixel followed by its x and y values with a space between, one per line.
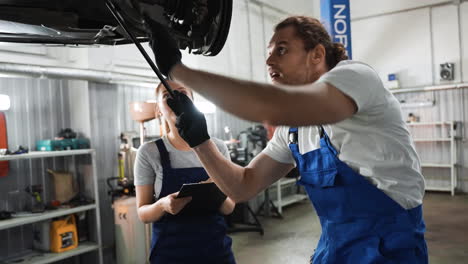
pixel 449 105
pixel 100 111
pixel 39 109
pixel 412 43
pixel 420 38
pixel 366 8
pixel 411 39
pixel 241 57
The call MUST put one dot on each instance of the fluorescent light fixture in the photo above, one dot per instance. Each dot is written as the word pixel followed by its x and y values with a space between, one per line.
pixel 205 107
pixel 416 104
pixel 4 102
pixel 202 106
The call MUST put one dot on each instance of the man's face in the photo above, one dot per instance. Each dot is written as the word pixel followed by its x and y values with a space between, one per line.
pixel 287 59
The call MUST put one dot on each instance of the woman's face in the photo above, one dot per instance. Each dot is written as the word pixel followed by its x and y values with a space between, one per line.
pixel 162 97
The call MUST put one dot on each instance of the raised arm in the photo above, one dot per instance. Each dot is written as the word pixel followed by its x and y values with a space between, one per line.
pixel 317 103
pixel 238 182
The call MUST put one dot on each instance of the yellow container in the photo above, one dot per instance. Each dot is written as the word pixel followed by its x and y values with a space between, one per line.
pixel 63 234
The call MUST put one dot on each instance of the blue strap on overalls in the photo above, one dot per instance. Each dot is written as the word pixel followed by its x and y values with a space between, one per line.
pixel 182 239
pixel 360 223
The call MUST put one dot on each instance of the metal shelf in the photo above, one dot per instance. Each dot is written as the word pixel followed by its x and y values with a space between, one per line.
pixel 33 218
pixel 40 258
pixel 46 154
pixel 286 181
pixel 43 258
pixel 429 124
pixel 429 88
pixel 436 165
pixel 290 199
pixel 284 201
pixel 442 189
pixel 454 136
pixel 432 139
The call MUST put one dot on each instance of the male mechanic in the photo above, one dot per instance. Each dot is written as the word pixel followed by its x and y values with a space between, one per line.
pixel 340 127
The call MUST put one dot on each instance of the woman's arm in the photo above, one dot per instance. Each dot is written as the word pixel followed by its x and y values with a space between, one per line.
pixel 149 212
pixel 227 207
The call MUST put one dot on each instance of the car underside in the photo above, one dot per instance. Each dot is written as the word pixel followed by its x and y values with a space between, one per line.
pixel 201 26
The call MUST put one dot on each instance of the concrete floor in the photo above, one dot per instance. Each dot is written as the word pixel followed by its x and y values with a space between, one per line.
pixel 292 239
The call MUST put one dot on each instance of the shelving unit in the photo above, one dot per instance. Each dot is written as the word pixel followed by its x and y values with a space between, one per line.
pixel 33 218
pixel 44 258
pixel 453 138
pixel 287 200
pixel 84 247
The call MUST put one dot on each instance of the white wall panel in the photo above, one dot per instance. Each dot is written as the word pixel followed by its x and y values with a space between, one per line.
pixel 79 102
pixel 295 7
pixel 398 43
pixel 464 39
pixel 364 8
pixel 445 38
pixel 259 38
pixel 23 49
pixel 242 57
pixel 44 55
pixel 123 58
pixel 39 109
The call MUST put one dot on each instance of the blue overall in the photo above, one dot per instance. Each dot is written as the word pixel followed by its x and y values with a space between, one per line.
pixel 183 239
pixel 360 223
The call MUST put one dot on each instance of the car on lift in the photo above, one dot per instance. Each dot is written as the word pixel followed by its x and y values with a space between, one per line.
pixel 201 26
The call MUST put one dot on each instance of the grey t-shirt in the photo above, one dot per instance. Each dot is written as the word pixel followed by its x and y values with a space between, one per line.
pixel 375 141
pixel 148 168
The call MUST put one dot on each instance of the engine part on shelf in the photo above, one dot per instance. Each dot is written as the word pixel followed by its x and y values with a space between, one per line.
pixel 5 215
pixel 124 187
pixel 67 133
pixel 447 72
pixel 35 191
pixel 412 118
pixel 251 142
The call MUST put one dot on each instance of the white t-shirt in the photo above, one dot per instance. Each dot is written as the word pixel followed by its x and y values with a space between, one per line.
pixel 148 168
pixel 375 141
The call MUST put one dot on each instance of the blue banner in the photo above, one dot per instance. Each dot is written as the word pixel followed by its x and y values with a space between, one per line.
pixel 335 15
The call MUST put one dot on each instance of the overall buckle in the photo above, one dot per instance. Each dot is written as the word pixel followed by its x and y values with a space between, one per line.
pixel 292 138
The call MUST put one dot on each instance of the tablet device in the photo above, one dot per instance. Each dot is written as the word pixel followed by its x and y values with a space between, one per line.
pixel 206 197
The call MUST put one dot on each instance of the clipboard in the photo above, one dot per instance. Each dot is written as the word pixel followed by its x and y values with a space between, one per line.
pixel 206 198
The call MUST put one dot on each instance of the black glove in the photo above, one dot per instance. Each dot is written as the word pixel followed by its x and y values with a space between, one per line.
pixel 190 122
pixel 165 49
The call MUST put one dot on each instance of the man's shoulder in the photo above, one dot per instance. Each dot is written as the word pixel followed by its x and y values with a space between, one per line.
pixel 355 66
pixel 356 79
